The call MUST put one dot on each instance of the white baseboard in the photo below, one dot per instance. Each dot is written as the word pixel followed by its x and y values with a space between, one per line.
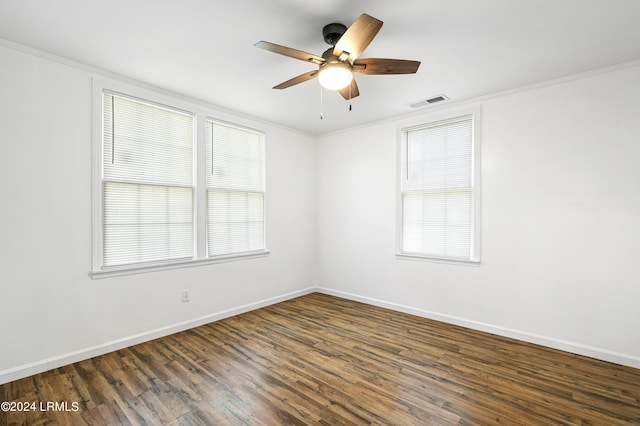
pixel 563 345
pixel 30 369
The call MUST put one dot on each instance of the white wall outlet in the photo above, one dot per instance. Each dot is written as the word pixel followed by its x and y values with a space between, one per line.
pixel 186 296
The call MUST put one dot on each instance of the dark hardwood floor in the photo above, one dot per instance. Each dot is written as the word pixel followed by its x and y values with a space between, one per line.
pixel 319 359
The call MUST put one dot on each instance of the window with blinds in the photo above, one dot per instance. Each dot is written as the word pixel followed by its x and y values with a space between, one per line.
pixel 172 187
pixel 235 189
pixel 147 182
pixel 438 196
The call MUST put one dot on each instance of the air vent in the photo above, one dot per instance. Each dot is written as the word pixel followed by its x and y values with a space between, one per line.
pixel 430 101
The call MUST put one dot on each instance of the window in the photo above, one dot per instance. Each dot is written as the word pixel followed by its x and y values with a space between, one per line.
pixel 439 200
pixel 154 208
pixel 235 189
pixel 147 184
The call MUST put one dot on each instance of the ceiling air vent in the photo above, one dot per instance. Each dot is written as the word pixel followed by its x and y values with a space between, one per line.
pixel 430 101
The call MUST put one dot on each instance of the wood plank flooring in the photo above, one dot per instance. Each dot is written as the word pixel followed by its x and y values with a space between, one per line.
pixel 323 360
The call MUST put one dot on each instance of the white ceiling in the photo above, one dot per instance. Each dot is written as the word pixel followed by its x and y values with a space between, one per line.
pixel 204 48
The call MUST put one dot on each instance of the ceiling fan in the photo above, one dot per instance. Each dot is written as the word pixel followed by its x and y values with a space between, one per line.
pixel 337 64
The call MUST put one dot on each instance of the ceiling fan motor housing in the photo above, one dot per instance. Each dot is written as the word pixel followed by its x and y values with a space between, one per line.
pixel 333 32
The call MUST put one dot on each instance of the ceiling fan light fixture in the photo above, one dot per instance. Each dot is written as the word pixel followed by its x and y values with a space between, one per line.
pixel 335 75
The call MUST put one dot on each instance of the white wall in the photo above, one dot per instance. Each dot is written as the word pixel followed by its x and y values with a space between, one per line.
pixel 51 311
pixel 560 220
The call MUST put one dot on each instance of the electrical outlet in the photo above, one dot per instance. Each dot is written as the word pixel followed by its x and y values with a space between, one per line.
pixel 186 296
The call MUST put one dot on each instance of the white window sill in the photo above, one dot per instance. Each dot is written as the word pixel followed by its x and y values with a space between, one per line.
pixel 424 258
pixel 152 267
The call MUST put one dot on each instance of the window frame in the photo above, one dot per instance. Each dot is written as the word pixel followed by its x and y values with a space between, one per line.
pixel 402 158
pixel 201 114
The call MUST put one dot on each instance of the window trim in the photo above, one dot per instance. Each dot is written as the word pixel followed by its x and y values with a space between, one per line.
pixel 401 152
pixel 201 114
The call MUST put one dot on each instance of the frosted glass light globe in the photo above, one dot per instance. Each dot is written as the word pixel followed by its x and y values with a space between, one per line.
pixel 335 75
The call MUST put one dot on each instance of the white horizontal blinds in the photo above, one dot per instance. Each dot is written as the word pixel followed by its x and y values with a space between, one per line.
pixel 147 182
pixel 149 143
pixel 235 189
pixel 146 223
pixel 235 222
pixel 437 190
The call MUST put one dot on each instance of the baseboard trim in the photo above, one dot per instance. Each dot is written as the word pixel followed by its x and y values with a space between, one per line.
pixel 30 369
pixel 550 342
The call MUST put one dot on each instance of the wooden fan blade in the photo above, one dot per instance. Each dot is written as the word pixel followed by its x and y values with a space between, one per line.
pixel 385 66
pixel 292 53
pixel 357 37
pixel 297 80
pixel 351 91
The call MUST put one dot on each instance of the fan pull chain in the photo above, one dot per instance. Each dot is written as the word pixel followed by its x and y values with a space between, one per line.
pixel 321 116
pixel 350 96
